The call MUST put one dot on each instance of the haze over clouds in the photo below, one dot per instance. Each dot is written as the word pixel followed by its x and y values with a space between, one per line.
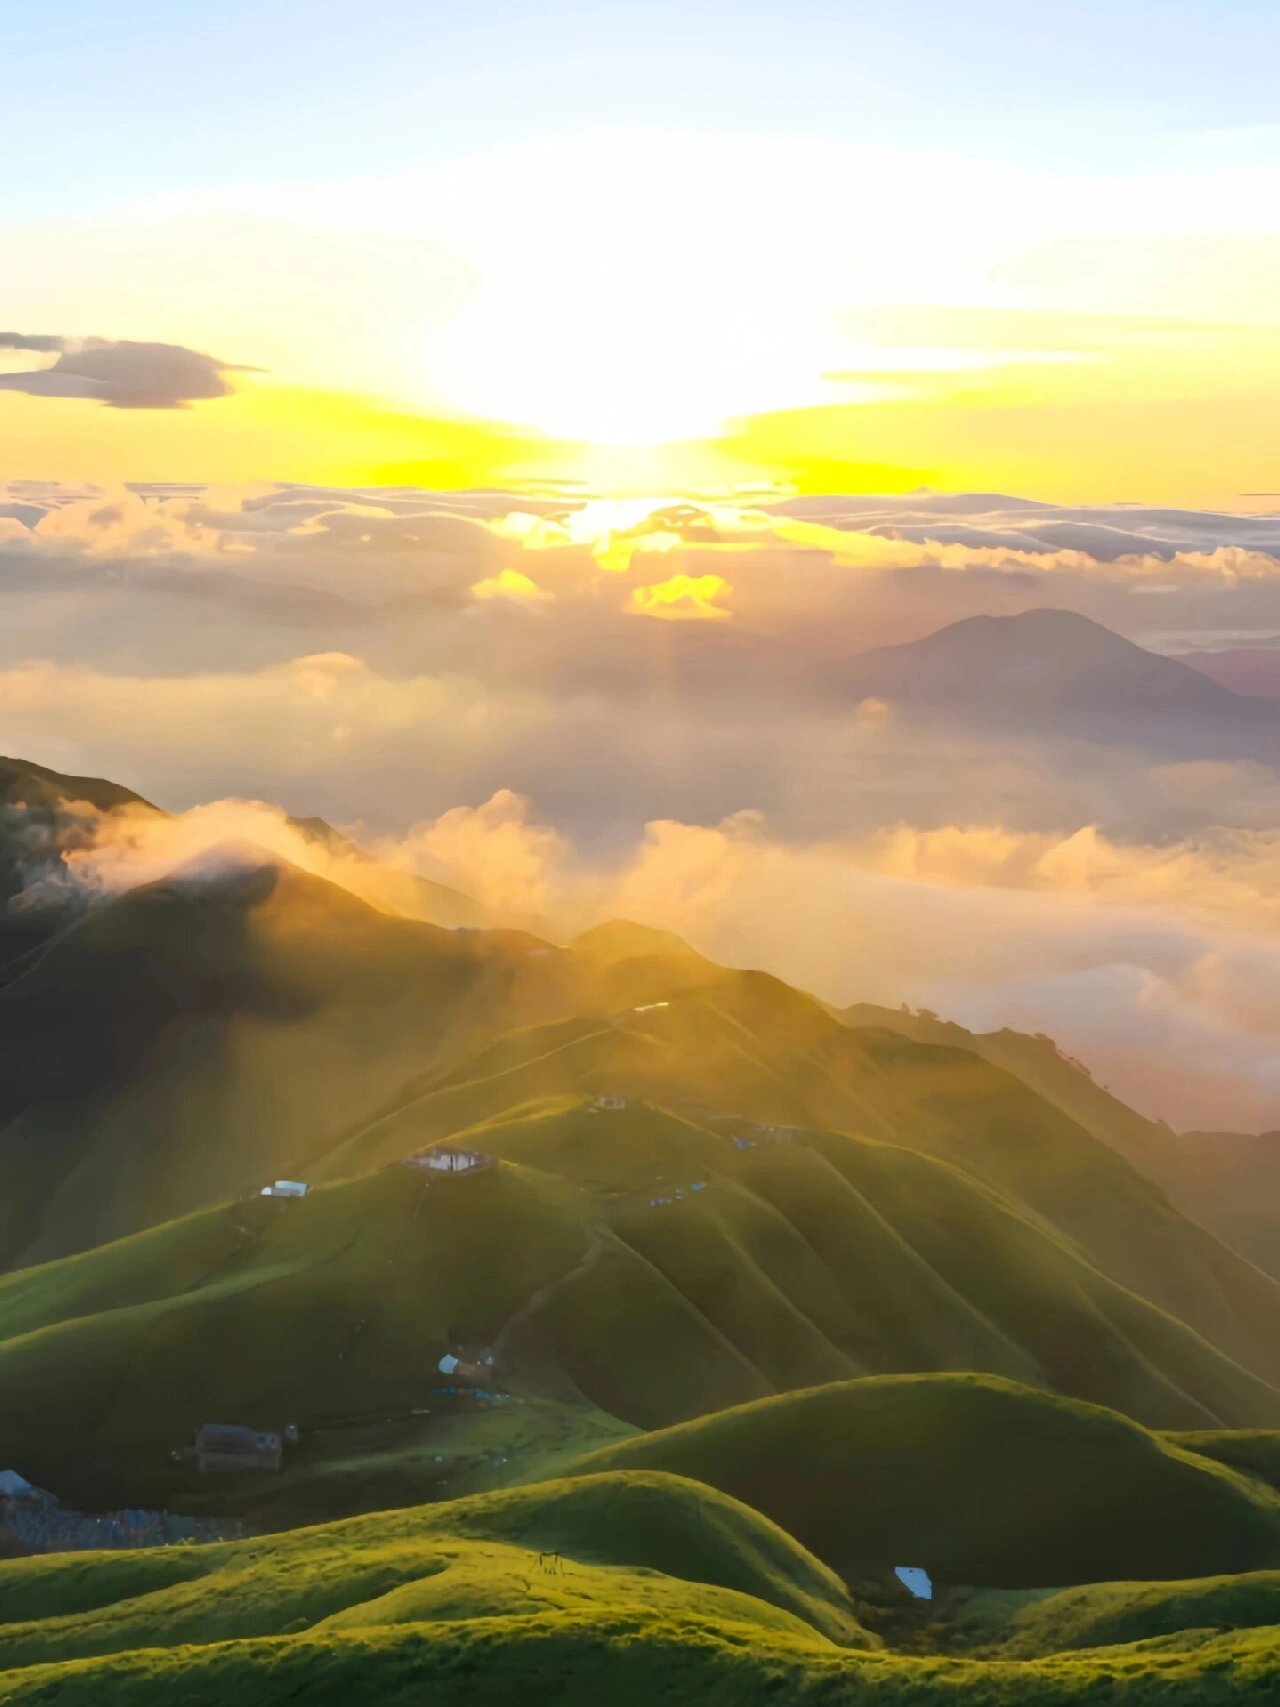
pixel 572 707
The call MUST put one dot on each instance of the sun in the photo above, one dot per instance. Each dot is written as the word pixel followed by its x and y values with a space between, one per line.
pixel 635 304
pixel 630 366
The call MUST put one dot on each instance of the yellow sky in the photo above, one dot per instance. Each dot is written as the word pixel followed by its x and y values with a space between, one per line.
pixel 664 313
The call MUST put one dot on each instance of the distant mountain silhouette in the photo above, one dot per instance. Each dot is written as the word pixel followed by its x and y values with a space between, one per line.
pixel 1251 670
pixel 1058 671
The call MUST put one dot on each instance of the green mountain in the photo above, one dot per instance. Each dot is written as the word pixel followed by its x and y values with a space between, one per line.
pixel 709 1189
pixel 189 1039
pixel 1227 1181
pixel 722 1042
pixel 43 814
pixel 749 1303
pixel 627 1262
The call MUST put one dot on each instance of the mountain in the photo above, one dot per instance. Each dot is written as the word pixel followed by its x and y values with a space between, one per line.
pixel 46 814
pixel 617 1263
pixel 731 1041
pixel 1230 1181
pixel 1227 1181
pixel 737 1305
pixel 1060 673
pixel 192 1038
pixel 43 813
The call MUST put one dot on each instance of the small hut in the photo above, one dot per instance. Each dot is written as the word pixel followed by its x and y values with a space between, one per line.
pixel 232 1446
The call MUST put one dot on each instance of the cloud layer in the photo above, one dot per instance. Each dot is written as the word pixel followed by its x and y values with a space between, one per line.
pixel 574 707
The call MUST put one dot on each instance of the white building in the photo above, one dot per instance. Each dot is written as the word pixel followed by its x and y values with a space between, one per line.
pixel 285 1188
pixel 448 1159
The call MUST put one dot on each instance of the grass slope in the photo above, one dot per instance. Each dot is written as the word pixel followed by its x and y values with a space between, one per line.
pixel 1255 1451
pixel 977 1479
pixel 1228 1182
pixel 629 1586
pixel 632 1656
pixel 644 1543
pixel 602 1280
pixel 726 1043
pixel 1106 1614
pixel 194 1038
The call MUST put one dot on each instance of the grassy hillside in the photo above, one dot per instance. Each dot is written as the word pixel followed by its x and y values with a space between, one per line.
pixel 977 1479
pixel 742 1043
pixel 193 1038
pixel 197 1037
pixel 1255 1451
pixel 628 1586
pixel 621 1263
pixel 580 1660
pixel 1103 1614
pixel 42 813
pixel 1229 1182
pixel 648 1543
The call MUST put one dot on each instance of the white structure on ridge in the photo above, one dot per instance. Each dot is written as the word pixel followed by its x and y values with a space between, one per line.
pixel 449 1159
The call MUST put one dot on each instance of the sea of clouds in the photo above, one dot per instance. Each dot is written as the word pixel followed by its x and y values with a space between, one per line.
pixel 571 707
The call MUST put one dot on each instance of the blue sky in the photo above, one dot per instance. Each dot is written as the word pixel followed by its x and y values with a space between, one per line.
pixel 104 103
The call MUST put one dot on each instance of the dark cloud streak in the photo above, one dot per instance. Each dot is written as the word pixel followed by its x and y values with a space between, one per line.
pixel 122 375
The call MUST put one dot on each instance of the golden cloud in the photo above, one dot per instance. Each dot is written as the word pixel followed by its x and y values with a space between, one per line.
pixel 682 596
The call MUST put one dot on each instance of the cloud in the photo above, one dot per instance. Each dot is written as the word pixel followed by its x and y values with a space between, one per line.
pixel 81 854
pixel 40 343
pixel 509 584
pixel 682 596
pixel 496 852
pixel 123 375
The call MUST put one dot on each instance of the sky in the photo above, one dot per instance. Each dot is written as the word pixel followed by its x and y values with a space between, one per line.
pixel 674 248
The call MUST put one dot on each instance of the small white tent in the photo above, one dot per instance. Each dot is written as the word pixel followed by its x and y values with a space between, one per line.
pixel 286 1188
pixel 915 1580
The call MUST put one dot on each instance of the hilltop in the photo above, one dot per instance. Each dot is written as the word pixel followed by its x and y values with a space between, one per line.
pixel 943 1470
pixel 632 1585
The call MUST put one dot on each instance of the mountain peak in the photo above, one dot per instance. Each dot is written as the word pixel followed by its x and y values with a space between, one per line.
pixel 623 939
pixel 1060 670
